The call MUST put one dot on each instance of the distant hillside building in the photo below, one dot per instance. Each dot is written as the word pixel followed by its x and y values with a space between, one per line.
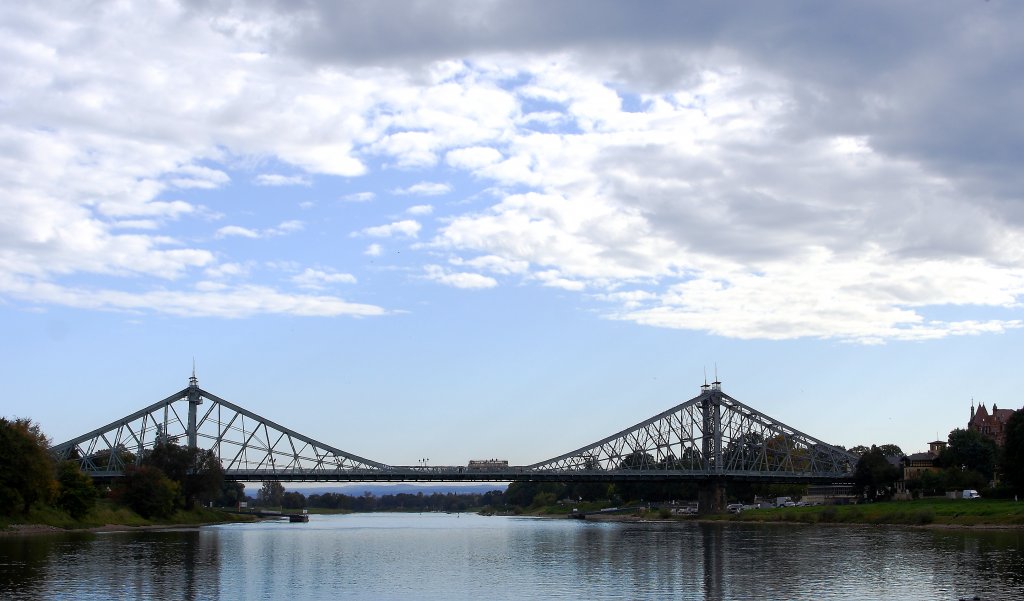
pixel 991 425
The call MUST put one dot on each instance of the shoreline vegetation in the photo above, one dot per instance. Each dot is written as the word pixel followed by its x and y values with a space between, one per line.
pixel 110 517
pixel 937 512
pixel 929 512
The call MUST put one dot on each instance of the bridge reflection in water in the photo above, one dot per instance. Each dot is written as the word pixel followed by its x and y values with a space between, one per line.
pixel 439 556
pixel 711 439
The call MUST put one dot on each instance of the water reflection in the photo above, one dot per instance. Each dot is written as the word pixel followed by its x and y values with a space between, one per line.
pixel 468 557
pixel 145 565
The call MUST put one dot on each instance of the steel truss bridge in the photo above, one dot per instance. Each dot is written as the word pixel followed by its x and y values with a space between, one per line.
pixel 711 438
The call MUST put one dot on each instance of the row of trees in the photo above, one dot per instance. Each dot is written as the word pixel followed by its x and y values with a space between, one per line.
pixel 168 477
pixel 30 476
pixel 272 494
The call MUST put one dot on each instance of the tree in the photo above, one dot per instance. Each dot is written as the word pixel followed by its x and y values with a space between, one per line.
pixel 293 500
pixel 148 491
pixel 1013 452
pixel 271 494
pixel 858 450
pixel 891 450
pixel 197 471
pixel 231 493
pixel 77 494
pixel 26 468
pixel 969 450
pixel 875 477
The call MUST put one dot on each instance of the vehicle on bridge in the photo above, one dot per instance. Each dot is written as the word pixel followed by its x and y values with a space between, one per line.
pixel 488 464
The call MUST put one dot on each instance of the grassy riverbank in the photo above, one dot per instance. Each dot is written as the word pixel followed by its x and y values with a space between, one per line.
pixel 939 511
pixel 109 514
pixel 980 513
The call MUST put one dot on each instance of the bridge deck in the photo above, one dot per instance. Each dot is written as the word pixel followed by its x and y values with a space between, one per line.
pixel 512 474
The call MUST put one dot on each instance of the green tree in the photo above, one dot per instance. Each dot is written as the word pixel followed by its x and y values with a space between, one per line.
pixel 198 472
pixel 148 491
pixel 969 450
pixel 875 477
pixel 1012 465
pixel 26 467
pixel 891 450
pixel 231 493
pixel 271 494
pixel 293 500
pixel 77 494
pixel 859 450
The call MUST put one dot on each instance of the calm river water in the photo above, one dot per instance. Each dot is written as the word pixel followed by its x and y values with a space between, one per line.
pixel 441 556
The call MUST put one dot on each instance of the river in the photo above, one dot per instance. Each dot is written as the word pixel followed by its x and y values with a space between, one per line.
pixel 465 556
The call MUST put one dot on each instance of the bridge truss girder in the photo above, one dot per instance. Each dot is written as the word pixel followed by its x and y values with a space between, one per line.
pixel 244 442
pixel 709 436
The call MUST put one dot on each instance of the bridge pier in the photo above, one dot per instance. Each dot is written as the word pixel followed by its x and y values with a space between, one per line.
pixel 711 496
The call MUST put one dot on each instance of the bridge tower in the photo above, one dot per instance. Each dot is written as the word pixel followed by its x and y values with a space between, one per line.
pixel 195 399
pixel 711 492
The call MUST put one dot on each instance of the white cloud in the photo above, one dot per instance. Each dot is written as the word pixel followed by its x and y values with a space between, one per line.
pixel 425 189
pixel 406 227
pixel 494 264
pixel 439 274
pixel 197 176
pixel 284 228
pixel 420 210
pixel 208 299
pixel 316 279
pixel 473 158
pixel 825 297
pixel 236 230
pixel 554 279
pixel 276 179
pixel 224 270
pixel 359 197
pixel 373 250
pixel 751 188
pixel 136 224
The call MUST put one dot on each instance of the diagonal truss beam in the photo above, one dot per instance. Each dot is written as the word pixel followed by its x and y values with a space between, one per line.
pixel 244 442
pixel 710 435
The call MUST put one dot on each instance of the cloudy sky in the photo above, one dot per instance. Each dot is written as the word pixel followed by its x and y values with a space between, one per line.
pixel 506 229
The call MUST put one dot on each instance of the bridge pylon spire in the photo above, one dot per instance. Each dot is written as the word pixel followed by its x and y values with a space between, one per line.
pixel 195 399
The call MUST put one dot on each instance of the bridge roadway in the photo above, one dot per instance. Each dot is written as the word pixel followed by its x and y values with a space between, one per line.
pixel 510 474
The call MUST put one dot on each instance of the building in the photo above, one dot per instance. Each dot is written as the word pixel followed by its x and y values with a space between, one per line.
pixel 914 465
pixel 991 425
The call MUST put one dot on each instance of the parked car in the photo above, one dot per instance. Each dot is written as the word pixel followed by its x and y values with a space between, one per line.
pixel 971 494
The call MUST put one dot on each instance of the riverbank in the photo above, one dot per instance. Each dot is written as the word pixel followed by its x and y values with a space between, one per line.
pixel 107 517
pixel 932 512
pixel 919 512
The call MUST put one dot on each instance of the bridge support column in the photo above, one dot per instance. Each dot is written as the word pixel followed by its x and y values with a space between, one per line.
pixel 711 496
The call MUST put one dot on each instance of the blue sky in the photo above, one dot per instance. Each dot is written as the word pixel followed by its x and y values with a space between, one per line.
pixel 507 229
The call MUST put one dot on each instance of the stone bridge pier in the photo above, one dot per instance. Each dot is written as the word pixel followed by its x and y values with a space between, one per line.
pixel 711 496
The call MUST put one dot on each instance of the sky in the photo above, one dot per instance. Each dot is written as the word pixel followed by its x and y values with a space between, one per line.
pixel 489 229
